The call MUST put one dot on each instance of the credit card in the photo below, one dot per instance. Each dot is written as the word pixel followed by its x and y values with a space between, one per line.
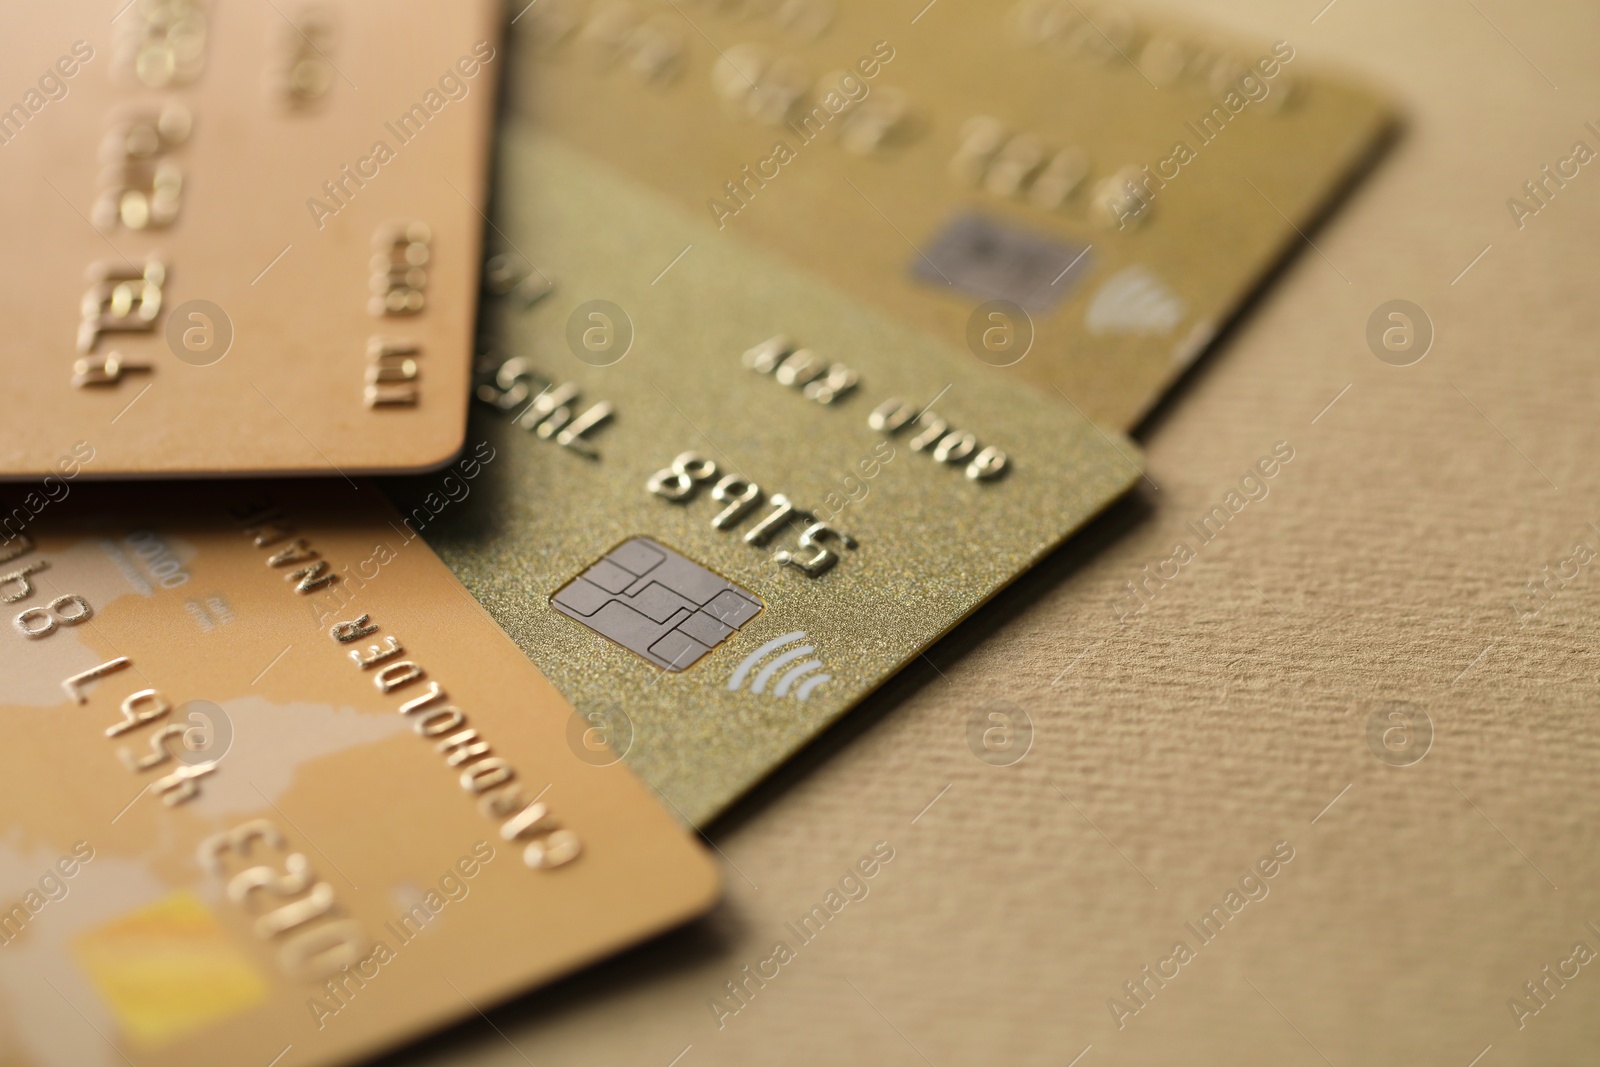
pixel 1081 195
pixel 279 791
pixel 730 501
pixel 244 233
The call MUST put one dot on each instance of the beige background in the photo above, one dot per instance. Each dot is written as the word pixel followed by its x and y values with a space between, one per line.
pixel 1234 709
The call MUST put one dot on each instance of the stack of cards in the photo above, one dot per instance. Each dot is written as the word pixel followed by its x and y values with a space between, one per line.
pixel 698 442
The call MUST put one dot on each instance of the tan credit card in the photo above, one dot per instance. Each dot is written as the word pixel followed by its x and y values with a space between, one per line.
pixel 1081 196
pixel 243 234
pixel 730 501
pixel 279 792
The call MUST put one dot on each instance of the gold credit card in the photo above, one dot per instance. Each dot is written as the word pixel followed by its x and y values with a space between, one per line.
pixel 244 233
pixel 1079 195
pixel 730 502
pixel 279 791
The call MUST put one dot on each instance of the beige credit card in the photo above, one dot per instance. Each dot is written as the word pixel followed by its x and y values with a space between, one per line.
pixel 278 791
pixel 730 500
pixel 1080 194
pixel 243 234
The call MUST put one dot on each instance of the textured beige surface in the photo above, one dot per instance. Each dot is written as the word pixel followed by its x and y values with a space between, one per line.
pixel 1231 712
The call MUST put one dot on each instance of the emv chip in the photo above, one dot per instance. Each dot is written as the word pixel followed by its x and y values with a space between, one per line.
pixel 993 261
pixel 653 601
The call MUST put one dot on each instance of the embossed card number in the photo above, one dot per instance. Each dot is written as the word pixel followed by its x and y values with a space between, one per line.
pixel 681 482
pixel 269 852
pixel 226 265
